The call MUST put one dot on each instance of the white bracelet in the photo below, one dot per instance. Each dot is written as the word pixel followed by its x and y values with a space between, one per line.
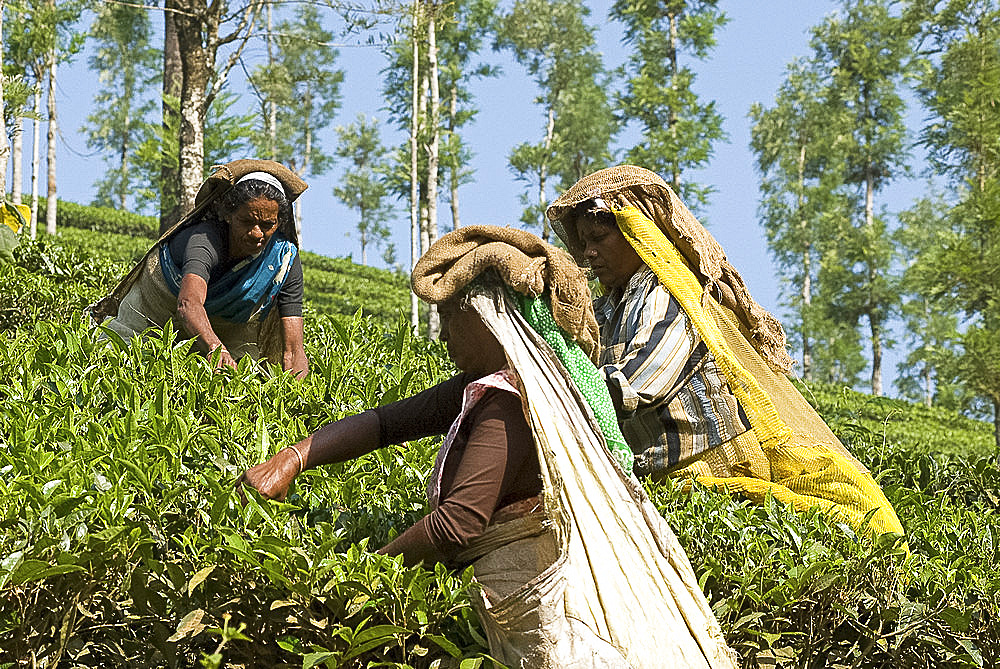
pixel 302 464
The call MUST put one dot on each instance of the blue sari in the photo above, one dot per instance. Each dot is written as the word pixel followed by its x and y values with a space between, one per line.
pixel 249 288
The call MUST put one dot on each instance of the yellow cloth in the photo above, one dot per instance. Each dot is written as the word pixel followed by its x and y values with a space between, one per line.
pixel 806 467
pixel 15 215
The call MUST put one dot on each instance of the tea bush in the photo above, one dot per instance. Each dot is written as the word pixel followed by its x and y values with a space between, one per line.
pixel 101 219
pixel 56 276
pixel 125 544
pixel 122 542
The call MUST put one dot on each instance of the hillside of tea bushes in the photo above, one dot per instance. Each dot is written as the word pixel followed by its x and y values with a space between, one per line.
pixel 122 543
pixel 55 277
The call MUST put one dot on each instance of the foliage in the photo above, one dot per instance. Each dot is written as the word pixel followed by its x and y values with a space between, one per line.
pixel 17 94
pixel 48 280
pixel 126 66
pixel 959 87
pixel 881 424
pixel 861 52
pixel 363 186
pixel 101 219
pixel 799 203
pixel 302 88
pixel 678 130
pixel 135 546
pixel 123 543
pixel 931 331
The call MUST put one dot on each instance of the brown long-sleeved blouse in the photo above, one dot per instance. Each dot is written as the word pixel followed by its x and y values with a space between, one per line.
pixel 492 463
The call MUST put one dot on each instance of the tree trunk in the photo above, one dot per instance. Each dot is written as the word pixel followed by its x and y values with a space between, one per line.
pixel 424 232
pixel 36 160
pixel 806 293
pixel 272 107
pixel 414 178
pixel 675 176
pixel 364 235
pixel 51 199
pixel 543 172
pixel 172 76
pixel 455 166
pixel 17 157
pixel 306 157
pixel 123 160
pixel 433 153
pixel 876 330
pixel 197 65
pixel 928 376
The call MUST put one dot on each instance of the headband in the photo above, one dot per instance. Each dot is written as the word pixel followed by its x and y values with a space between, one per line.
pixel 265 177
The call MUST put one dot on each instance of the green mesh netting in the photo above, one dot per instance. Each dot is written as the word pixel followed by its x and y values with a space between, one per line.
pixel 538 312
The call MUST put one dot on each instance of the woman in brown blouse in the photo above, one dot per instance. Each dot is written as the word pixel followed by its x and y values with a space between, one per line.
pixel 490 465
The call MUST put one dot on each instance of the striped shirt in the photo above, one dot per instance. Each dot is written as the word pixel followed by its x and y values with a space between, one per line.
pixel 672 399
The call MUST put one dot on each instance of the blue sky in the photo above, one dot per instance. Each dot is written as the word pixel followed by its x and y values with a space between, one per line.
pixel 747 66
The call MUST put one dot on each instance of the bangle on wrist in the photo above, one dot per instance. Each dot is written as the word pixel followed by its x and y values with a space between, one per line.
pixel 298 455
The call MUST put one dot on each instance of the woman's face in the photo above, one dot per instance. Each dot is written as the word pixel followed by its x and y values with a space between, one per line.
pixel 251 227
pixel 471 345
pixel 611 257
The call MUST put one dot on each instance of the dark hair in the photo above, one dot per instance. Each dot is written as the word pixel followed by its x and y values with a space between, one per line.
pixel 249 190
pixel 589 209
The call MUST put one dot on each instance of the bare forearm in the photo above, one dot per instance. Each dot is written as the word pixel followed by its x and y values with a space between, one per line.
pixel 194 320
pixel 294 357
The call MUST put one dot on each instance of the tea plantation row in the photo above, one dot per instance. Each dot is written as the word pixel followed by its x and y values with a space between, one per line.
pixel 122 542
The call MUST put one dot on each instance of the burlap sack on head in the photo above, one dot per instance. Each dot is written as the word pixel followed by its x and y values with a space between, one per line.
pixel 524 262
pixel 632 186
pixel 219 181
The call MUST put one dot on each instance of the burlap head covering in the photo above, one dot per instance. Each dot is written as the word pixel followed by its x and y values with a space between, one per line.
pixel 523 261
pixel 218 182
pixel 631 186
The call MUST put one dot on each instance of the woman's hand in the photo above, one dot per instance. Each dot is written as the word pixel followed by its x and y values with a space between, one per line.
pixel 225 359
pixel 272 478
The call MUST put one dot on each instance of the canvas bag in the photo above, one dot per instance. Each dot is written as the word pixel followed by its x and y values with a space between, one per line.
pixel 621 592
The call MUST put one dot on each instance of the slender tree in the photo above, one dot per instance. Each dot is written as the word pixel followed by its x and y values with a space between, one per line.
pixel 864 49
pixel 461 33
pixel 458 32
pixel 363 186
pixel 961 93
pixel 552 40
pixel 126 68
pixel 17 91
pixel 414 125
pixel 798 193
pixel 299 92
pixel 678 130
pixel 40 37
pixel 930 323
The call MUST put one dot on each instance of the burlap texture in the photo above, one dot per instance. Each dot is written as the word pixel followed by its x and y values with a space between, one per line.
pixel 524 262
pixel 222 179
pixel 632 186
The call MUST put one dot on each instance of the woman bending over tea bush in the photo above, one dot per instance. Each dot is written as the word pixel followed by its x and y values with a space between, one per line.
pixel 532 484
pixel 228 274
